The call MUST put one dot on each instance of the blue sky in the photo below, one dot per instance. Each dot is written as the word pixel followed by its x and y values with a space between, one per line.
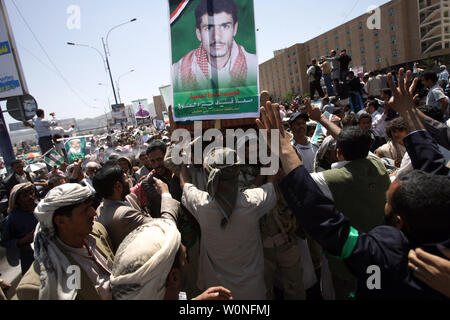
pixel 142 45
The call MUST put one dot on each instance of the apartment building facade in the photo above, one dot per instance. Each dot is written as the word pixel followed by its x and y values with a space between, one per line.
pixel 400 31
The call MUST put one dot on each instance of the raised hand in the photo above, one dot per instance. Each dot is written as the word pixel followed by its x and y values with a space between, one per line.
pixel 402 99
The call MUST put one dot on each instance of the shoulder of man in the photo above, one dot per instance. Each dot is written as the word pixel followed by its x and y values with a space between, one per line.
pixel 28 288
pixel 102 240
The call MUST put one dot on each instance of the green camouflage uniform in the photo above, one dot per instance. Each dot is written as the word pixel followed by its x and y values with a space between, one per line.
pixel 280 242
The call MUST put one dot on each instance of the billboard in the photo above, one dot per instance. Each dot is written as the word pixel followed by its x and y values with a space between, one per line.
pixel 142 109
pixel 119 114
pixel 12 82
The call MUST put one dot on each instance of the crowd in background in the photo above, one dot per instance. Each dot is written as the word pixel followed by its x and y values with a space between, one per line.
pixel 364 180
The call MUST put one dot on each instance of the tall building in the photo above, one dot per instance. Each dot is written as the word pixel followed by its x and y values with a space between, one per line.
pixel 401 31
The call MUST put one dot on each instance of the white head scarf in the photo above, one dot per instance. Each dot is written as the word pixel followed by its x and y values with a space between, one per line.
pixel 143 261
pixel 53 263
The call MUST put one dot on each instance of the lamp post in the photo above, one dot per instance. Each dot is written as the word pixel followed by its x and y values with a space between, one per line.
pixel 106 50
pixel 117 83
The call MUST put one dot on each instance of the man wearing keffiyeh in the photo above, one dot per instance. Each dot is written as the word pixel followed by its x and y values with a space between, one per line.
pixel 219 60
pixel 231 252
pixel 73 252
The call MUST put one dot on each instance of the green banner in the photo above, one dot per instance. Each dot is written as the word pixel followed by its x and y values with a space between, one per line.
pixel 214 62
pixel 75 148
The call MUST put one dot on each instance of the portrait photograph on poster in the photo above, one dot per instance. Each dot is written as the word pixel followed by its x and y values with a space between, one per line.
pixel 214 61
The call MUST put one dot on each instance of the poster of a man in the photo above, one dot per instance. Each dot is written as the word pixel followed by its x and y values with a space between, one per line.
pixel 76 149
pixel 215 66
pixel 218 60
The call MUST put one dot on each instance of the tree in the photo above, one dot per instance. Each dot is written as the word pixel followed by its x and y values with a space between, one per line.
pixel 288 97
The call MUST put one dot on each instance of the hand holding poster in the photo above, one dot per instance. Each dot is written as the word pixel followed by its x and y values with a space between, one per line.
pixel 75 148
pixel 215 68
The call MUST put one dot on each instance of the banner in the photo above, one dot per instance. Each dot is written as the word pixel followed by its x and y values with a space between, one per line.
pixel 53 158
pixel 167 94
pixel 119 113
pixel 214 62
pixel 10 68
pixel 75 148
pixel 142 109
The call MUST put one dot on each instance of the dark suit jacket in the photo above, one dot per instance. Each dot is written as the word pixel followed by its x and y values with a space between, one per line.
pixel 425 154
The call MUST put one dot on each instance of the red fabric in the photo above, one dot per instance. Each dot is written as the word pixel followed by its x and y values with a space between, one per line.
pixel 238 71
pixel 140 194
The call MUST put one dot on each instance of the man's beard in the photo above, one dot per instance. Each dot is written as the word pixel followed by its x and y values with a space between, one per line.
pixel 125 190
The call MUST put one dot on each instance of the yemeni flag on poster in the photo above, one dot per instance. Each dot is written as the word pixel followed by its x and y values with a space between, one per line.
pixel 53 158
pixel 214 62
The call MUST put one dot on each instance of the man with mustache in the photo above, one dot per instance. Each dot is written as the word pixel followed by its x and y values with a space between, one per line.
pixel 116 213
pixel 219 60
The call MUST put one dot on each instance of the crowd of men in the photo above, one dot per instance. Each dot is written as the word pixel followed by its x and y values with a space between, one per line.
pixel 363 189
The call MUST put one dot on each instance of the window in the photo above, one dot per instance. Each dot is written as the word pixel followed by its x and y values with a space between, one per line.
pixel 295 61
pixel 336 37
pixel 298 79
pixel 391 12
pixel 349 43
pixel 364 63
pixel 394 54
pixel 377 45
pixel 392 26
pixel 360 26
pixel 361 37
pixel 293 53
pixel 363 50
pixel 375 32
pixel 347 30
pixel 393 40
pixel 378 59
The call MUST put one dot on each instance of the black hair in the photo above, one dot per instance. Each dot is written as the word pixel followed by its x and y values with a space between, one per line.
pixel 423 202
pixel 354 143
pixel 157 145
pixel 53 181
pixel 211 7
pixel 105 179
pixel 14 162
pixel 387 92
pixel 374 103
pixel 395 124
pixel 432 112
pixel 430 75
pixel 349 120
pixel 39 112
pixel 365 115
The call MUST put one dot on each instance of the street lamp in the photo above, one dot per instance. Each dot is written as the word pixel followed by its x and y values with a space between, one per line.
pixel 106 54
pixel 87 46
pixel 107 36
pixel 117 83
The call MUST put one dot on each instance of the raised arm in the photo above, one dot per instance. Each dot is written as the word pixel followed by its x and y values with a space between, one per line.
pixel 316 115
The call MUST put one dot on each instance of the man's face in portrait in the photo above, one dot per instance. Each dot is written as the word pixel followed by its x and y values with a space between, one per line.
pixel 75 146
pixel 217 34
